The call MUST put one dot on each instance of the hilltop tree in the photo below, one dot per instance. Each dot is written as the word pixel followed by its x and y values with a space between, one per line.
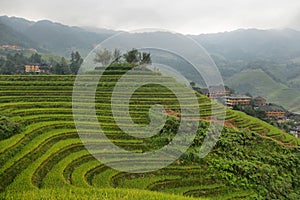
pixel 192 84
pixel 8 68
pixel 136 57
pixel 35 58
pixel 62 67
pixel 146 58
pixel 117 55
pixel 19 59
pixel 104 57
pixel 65 67
pixel 76 62
pixel 132 56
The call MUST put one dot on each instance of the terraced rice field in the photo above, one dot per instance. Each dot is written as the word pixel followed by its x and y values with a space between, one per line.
pixel 246 122
pixel 48 157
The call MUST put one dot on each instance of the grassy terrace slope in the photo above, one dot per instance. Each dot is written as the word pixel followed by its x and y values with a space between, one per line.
pixel 47 160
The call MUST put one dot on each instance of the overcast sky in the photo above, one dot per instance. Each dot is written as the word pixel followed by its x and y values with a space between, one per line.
pixel 185 16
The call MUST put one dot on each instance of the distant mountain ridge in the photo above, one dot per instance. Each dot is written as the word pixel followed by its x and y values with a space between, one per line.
pixel 259 62
pixel 242 44
pixel 236 53
pixel 248 44
pixel 54 37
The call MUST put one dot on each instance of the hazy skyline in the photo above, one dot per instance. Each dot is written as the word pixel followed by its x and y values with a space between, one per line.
pixel 190 16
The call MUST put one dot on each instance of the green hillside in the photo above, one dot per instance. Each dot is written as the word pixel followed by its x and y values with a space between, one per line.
pixel 47 160
pixel 10 37
pixel 258 83
pixel 295 82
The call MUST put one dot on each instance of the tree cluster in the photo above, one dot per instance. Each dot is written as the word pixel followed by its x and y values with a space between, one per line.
pixel 63 67
pixel 15 63
pixel 252 111
pixel 106 57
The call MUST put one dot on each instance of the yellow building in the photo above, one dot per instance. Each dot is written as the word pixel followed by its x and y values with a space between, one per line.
pixel 32 68
pixel 27 68
pixel 231 101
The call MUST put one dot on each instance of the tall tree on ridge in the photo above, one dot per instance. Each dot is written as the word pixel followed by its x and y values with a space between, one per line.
pixel 104 57
pixel 76 62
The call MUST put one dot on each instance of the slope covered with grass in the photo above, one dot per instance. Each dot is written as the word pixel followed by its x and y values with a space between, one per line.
pixel 48 160
pixel 258 83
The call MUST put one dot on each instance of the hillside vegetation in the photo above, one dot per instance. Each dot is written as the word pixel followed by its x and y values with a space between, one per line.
pixel 48 160
pixel 257 82
pixel 236 53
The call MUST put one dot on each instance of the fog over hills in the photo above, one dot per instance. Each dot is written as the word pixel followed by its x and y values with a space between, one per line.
pixel 273 56
pixel 55 37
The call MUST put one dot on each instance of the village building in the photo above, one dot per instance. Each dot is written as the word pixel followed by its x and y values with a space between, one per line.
pixel 231 101
pixel 36 69
pixel 214 92
pixel 32 69
pixel 11 47
pixel 218 91
pixel 273 111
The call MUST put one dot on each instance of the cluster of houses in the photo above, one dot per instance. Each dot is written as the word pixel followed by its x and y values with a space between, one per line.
pixel 16 48
pixel 11 47
pixel 224 95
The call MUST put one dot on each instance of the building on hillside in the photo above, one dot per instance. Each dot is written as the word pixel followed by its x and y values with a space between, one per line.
pixel 11 47
pixel 32 69
pixel 218 91
pixel 273 111
pixel 37 69
pixel 214 92
pixel 259 101
pixel 231 101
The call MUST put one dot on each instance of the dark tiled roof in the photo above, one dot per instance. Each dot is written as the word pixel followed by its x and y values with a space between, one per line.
pixel 203 91
pixel 237 97
pixel 272 108
pixel 259 98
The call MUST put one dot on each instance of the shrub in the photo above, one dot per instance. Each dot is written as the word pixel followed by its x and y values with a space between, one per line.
pixel 8 127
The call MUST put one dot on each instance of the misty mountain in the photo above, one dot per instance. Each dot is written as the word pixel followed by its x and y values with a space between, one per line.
pixel 99 30
pixel 244 44
pixel 259 62
pixel 17 24
pixel 249 44
pixel 8 36
pixel 54 37
pixel 244 54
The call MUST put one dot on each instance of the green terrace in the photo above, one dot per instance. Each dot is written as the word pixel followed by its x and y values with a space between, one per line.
pixel 47 159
